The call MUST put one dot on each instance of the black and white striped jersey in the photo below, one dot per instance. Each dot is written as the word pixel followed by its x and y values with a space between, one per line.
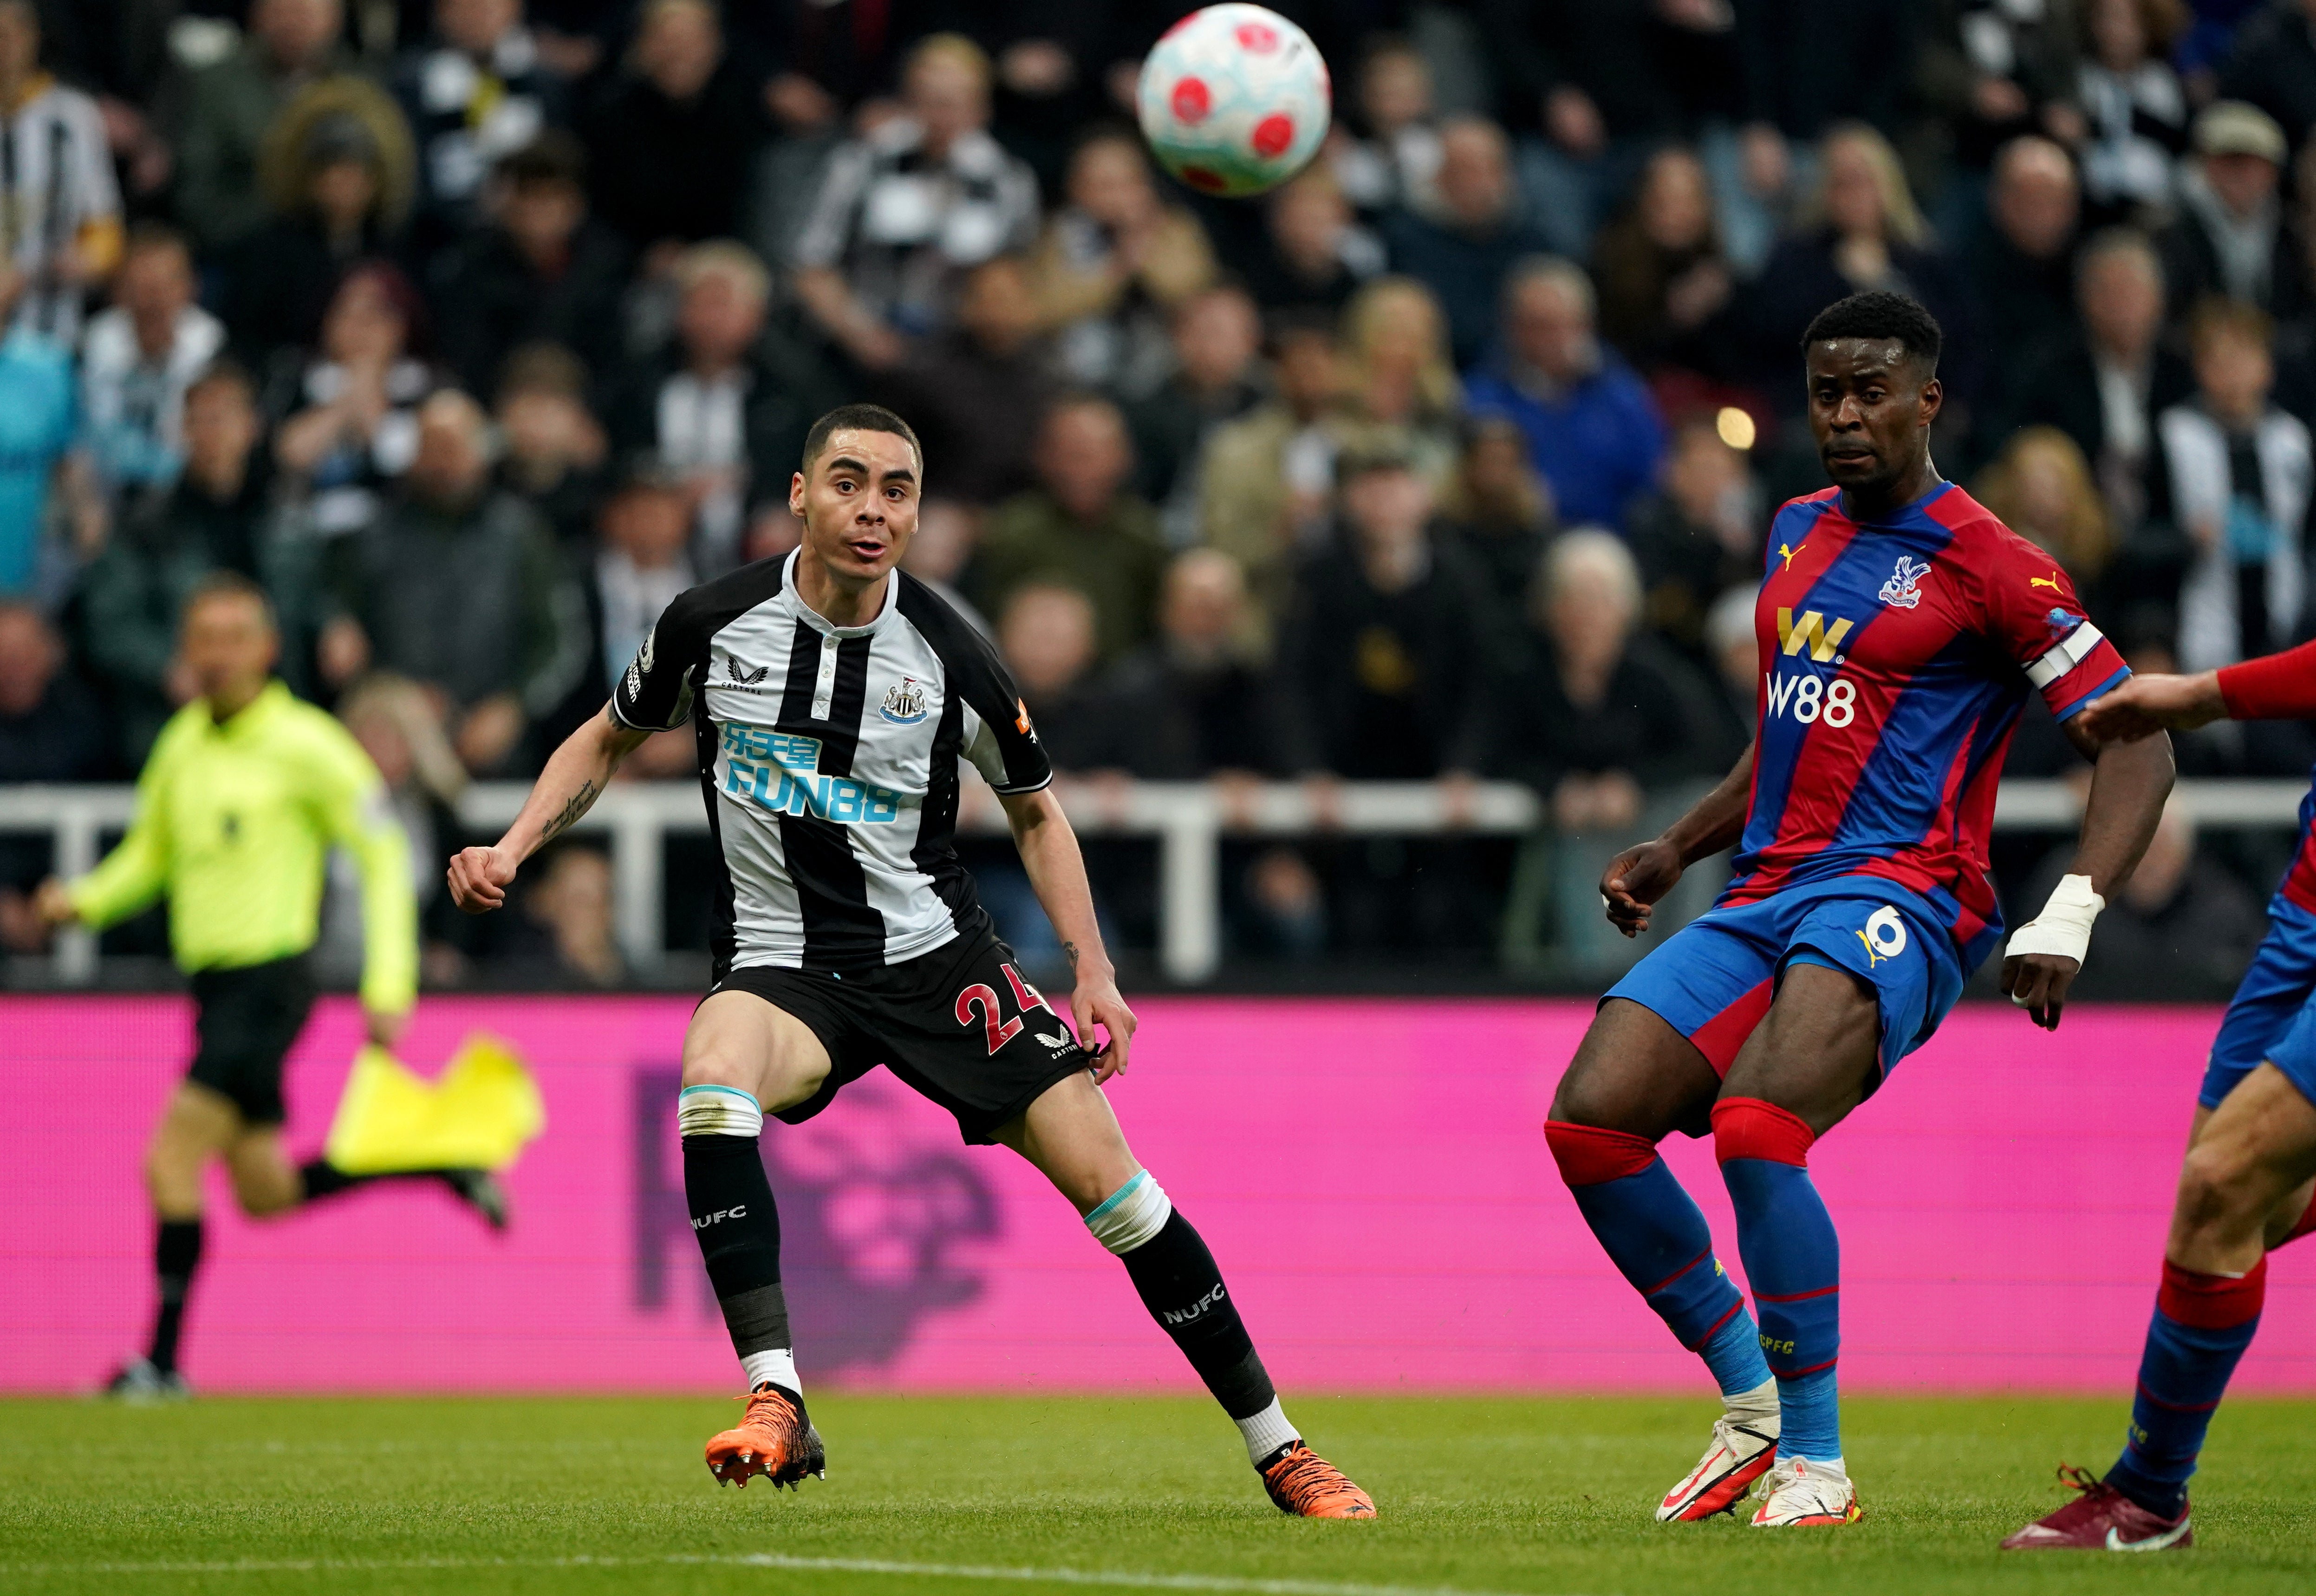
pixel 829 758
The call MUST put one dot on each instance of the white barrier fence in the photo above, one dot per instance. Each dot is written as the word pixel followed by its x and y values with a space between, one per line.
pixel 1190 820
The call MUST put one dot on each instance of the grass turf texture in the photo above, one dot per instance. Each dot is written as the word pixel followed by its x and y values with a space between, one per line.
pixel 355 1496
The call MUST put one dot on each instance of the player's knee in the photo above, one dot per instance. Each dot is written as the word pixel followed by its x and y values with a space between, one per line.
pixel 2216 1188
pixel 1131 1215
pixel 1751 1128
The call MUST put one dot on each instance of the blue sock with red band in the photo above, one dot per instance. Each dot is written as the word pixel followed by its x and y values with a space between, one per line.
pixel 2202 1324
pixel 1793 1261
pixel 1656 1235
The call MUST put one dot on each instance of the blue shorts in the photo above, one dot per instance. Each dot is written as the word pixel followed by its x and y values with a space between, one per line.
pixel 2273 1014
pixel 1715 979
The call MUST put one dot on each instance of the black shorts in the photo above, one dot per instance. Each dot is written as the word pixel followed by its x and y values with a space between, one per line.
pixel 959 1024
pixel 244 1021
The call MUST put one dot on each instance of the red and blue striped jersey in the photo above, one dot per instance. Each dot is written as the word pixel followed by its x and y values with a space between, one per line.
pixel 1895 659
pixel 2281 688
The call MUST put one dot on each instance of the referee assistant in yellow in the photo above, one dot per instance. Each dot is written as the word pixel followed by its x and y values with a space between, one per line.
pixel 244 794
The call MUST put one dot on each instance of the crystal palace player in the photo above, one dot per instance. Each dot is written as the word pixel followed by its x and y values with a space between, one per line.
pixel 835 699
pixel 2247 1184
pixel 1901 629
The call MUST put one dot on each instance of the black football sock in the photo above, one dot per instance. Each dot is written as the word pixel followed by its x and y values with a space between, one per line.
pixel 176 1255
pixel 739 1232
pixel 1183 1291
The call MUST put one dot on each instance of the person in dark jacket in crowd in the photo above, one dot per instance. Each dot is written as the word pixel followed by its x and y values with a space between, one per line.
pixel 1464 252
pixel 977 393
pixel 673 134
pixel 1193 702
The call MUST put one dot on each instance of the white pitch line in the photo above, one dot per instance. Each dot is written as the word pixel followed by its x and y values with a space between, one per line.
pixel 1227 1585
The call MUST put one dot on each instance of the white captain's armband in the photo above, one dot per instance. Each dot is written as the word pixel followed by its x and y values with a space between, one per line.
pixel 2064 926
pixel 2068 652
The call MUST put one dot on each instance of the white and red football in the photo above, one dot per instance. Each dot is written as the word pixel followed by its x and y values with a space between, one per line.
pixel 1234 100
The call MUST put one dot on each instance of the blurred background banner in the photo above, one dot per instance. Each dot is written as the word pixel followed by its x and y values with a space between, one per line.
pixel 1374 1169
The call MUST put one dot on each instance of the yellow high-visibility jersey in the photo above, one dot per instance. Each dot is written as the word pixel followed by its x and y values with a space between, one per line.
pixel 234 822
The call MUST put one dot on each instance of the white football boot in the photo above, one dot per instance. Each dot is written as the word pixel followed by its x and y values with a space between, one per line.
pixel 1802 1493
pixel 1744 1445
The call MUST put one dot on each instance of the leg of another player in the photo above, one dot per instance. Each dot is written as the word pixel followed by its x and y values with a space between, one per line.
pixel 1633 1082
pixel 197 1125
pixel 742 1056
pixel 2258 1148
pixel 2291 1218
pixel 1809 1063
pixel 1073 1137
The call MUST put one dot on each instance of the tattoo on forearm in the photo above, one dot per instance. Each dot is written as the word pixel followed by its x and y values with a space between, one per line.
pixel 579 803
pixel 1070 952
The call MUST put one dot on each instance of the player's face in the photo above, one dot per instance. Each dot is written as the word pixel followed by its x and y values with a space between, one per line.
pixel 1870 409
pixel 859 503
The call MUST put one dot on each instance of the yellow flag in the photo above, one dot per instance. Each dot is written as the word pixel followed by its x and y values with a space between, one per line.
pixel 478 1114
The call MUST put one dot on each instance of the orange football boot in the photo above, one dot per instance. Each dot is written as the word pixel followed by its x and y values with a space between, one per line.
pixel 1303 1483
pixel 773 1439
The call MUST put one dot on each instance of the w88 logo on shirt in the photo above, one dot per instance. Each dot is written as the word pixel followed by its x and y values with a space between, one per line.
pixel 1801 692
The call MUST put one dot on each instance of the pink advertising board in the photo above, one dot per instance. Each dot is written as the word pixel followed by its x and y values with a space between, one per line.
pixel 1370 1174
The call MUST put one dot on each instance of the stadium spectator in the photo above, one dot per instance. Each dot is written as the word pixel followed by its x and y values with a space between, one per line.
pixel 339 176
pixel 2231 238
pixel 1991 73
pixel 217 516
pixel 542 270
pixel 37 428
pixel 1114 262
pixel 566 911
pixel 355 426
pixel 64 207
pixel 2105 380
pixel 1393 160
pixel 476 92
pixel 728 403
pixel 2022 267
pixel 1497 516
pixel 2181 925
pixel 216 116
pixel 1665 284
pixel 1193 702
pixel 2273 66
pixel 1046 637
pixel 50 731
pixel 672 135
pixel 1216 378
pixel 644 563
pixel 1376 670
pixel 948 532
pixel 1399 374
pixel 905 212
pixel 2041 487
pixel 2134 109
pixel 1265 481
pixel 1314 253
pixel 1699 533
pixel 137 357
pixel 1858 229
pixel 1080 527
pixel 2234 472
pixel 457 586
pixel 1586 708
pixel 976 392
pixel 1592 429
pixel 1464 250
pixel 554 447
pixel 1735 653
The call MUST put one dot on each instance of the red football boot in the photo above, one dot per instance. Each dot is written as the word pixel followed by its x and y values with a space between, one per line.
pixel 2101 1519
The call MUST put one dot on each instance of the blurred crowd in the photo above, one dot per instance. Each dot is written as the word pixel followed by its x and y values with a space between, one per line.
pixel 476 330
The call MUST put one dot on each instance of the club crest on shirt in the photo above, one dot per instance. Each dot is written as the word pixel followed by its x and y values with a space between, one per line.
pixel 905 702
pixel 1904 590
pixel 2063 620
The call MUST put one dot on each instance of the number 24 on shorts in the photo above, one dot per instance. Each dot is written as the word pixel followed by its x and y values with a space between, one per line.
pixel 982 997
pixel 1807 697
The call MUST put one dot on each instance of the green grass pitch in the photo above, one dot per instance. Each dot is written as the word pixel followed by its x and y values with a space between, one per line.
pixel 950 1496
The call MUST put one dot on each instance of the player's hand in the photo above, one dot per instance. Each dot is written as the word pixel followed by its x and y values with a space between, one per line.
pixel 385 1029
pixel 53 904
pixel 2038 983
pixel 1635 879
pixel 1098 1002
pixel 2143 705
pixel 479 878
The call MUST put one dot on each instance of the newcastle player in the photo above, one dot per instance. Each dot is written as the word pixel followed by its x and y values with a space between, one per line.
pixel 834 698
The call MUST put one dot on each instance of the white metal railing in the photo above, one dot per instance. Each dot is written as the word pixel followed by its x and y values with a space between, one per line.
pixel 1190 820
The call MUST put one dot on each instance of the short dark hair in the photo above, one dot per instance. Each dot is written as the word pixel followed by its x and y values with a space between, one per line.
pixel 225 371
pixel 554 157
pixel 1880 314
pixel 858 418
pixel 227 583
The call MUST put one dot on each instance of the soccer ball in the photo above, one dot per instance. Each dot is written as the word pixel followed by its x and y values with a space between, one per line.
pixel 1234 100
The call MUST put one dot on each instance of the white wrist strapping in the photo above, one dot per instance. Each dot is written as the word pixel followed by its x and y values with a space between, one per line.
pixel 2064 926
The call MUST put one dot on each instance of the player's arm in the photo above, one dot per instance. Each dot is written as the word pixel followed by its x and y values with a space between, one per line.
pixel 1639 876
pixel 575 778
pixel 1056 870
pixel 2272 687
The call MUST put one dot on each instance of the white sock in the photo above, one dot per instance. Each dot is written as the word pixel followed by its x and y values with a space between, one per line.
pixel 777 1366
pixel 1266 1433
pixel 1758 1406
